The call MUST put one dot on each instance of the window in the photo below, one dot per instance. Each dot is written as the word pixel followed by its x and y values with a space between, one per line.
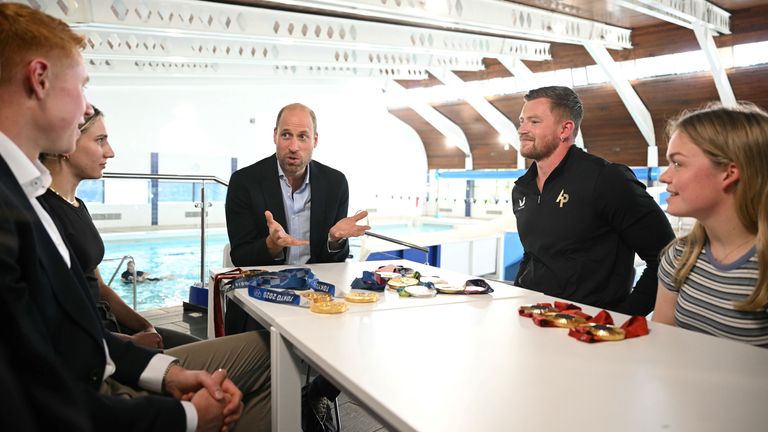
pixel 168 191
pixel 91 191
pixel 213 192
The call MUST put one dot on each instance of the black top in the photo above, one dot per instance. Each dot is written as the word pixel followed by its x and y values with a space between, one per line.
pixel 581 233
pixel 78 230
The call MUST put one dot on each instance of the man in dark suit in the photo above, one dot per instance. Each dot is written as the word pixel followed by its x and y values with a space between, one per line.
pixel 304 202
pixel 305 205
pixel 53 342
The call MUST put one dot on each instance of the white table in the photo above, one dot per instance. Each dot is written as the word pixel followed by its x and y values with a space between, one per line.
pixel 286 412
pixel 478 366
pixel 342 274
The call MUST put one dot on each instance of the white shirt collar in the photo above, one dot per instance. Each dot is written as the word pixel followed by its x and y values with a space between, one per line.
pixel 33 177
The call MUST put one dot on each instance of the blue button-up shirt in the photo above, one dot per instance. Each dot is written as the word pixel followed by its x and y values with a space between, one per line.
pixel 297 210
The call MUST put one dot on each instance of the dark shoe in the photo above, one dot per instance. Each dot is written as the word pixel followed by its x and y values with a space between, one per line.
pixel 316 412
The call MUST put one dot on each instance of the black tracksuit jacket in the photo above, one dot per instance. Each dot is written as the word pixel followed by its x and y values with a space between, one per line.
pixel 581 233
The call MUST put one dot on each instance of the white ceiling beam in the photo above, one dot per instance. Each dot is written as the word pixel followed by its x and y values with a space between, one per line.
pixel 706 20
pixel 223 36
pixel 108 70
pixel 503 125
pixel 122 47
pixel 683 12
pixel 500 18
pixel 522 74
pixel 454 135
pixel 723 85
pixel 637 109
pixel 232 23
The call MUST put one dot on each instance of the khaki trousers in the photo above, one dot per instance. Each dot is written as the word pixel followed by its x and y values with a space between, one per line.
pixel 245 357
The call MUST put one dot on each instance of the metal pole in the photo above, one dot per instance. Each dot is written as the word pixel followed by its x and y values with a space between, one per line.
pixel 203 221
pixel 134 282
pixel 400 242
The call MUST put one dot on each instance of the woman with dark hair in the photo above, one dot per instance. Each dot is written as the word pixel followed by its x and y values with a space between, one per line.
pixel 715 279
pixel 88 161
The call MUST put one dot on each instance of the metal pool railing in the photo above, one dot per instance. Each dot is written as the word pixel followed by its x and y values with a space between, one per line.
pixel 203 204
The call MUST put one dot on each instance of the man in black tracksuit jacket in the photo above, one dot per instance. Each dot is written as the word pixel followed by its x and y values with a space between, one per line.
pixel 581 218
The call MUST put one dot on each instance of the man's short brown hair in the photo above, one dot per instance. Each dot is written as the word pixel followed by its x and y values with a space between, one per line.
pixel 26 33
pixel 564 101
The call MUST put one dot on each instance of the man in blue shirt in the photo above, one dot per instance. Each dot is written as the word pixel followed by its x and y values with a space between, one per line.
pixel 304 202
pixel 305 205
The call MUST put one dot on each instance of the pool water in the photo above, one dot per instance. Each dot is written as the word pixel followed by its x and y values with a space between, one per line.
pixel 174 258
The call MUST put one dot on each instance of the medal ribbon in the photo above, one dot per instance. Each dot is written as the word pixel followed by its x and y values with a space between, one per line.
pixel 279 286
pixel 218 312
pixel 280 296
pixel 370 281
pixel 635 326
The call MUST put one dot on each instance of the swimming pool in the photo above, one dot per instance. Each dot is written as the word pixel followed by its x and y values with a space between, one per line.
pixel 174 257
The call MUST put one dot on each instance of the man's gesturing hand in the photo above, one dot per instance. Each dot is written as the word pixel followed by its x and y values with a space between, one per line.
pixel 278 238
pixel 348 227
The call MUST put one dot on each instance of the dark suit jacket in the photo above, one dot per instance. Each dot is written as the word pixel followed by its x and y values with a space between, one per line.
pixel 56 334
pixel 256 188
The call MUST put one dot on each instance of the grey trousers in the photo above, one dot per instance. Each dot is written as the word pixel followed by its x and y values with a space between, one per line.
pixel 245 356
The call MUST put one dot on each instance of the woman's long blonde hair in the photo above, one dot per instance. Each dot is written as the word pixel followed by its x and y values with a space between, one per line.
pixel 739 135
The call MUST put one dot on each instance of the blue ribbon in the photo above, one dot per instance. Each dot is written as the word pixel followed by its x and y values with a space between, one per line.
pixel 368 282
pixel 277 286
pixel 277 296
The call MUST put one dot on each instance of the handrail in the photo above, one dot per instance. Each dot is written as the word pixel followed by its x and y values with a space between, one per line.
pixel 119 266
pixel 402 243
pixel 139 176
pixel 396 241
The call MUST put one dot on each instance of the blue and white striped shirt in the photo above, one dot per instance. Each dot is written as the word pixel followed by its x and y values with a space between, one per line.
pixel 706 299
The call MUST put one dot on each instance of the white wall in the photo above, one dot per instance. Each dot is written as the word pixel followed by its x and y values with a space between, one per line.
pixel 196 129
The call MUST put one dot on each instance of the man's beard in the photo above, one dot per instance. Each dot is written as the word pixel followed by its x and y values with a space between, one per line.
pixel 539 150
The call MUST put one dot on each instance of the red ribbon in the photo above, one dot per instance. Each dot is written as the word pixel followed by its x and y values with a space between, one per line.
pixel 634 327
pixel 218 313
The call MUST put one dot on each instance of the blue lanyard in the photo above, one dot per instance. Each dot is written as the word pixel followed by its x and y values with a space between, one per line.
pixel 279 286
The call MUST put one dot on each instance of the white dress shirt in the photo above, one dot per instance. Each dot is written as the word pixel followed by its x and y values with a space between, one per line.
pixel 34 178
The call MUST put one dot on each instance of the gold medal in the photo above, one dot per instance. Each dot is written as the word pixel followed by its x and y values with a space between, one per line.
pixel 434 279
pixel 315 296
pixel 402 282
pixel 420 291
pixel 537 309
pixel 565 320
pixel 362 297
pixel 328 307
pixel 388 275
pixel 447 288
pixel 605 332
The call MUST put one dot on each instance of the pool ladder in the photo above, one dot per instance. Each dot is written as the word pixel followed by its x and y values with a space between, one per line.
pixel 119 266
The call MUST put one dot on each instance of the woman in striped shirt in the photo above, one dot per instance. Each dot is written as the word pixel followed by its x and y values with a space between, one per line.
pixel 715 279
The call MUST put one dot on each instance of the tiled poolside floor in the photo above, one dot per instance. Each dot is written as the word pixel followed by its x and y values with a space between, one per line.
pixel 353 417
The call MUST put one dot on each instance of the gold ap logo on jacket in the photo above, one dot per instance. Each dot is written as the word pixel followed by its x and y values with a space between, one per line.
pixel 562 198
